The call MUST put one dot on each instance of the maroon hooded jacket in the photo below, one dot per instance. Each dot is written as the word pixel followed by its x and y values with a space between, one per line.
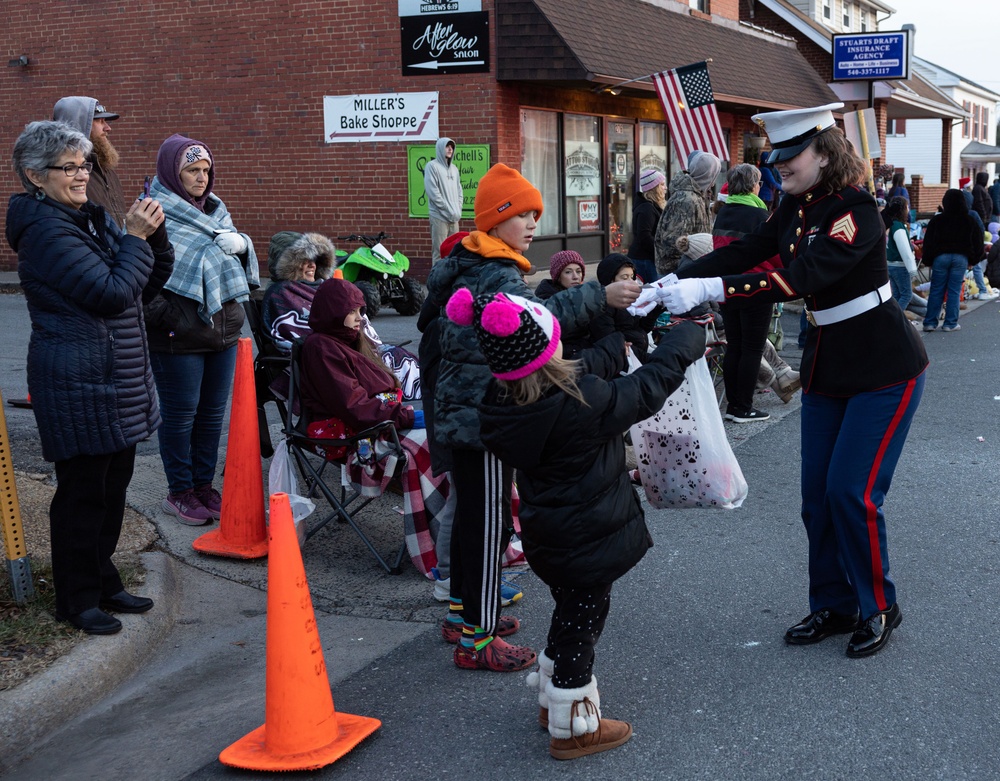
pixel 337 380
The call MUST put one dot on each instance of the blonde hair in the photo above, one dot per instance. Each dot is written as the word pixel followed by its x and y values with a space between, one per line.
pixel 559 372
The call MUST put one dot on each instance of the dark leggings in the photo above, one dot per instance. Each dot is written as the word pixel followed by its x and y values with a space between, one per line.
pixel 85 520
pixel 746 332
pixel 577 622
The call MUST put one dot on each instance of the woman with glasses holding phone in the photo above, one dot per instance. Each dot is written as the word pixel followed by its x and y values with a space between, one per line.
pixel 194 325
pixel 89 374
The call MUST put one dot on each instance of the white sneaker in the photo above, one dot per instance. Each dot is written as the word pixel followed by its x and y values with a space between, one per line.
pixel 442 590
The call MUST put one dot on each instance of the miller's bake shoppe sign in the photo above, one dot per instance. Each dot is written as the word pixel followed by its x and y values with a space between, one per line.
pixel 396 116
pixel 444 37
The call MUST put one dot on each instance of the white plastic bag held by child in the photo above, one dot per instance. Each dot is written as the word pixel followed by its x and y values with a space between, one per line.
pixel 684 457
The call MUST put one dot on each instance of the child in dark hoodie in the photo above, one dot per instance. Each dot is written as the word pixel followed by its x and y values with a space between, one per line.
pixel 635 328
pixel 560 425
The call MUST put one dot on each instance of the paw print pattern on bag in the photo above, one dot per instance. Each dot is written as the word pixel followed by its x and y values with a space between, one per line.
pixel 684 457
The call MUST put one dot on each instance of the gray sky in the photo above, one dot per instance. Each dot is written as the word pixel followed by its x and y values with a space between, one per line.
pixel 960 35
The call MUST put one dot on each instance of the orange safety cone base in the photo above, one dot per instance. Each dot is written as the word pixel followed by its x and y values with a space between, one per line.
pixel 250 752
pixel 216 544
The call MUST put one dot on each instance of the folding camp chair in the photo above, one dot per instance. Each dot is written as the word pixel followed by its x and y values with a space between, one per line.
pixel 345 503
pixel 270 363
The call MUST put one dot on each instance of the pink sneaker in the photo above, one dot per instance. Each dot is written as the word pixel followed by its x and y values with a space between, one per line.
pixel 210 499
pixel 187 508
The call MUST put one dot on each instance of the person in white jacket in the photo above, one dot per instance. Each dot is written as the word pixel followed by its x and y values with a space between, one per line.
pixel 443 188
pixel 901 263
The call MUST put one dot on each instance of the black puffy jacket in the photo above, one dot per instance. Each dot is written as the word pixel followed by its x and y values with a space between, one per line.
pixel 88 363
pixel 581 520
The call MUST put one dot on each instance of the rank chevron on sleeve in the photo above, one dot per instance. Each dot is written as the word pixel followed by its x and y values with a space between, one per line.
pixel 844 229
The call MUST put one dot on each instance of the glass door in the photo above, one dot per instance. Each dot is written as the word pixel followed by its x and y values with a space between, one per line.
pixel 620 182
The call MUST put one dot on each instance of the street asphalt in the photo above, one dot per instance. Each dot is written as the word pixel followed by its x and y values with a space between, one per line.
pixel 692 654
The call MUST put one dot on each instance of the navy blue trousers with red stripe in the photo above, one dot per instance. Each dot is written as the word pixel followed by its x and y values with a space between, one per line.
pixel 850 447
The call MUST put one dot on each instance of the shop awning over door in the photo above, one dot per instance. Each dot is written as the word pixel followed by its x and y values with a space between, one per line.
pixel 976 152
pixel 586 43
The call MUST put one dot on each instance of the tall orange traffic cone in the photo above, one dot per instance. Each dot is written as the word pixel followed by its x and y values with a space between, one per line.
pixel 302 730
pixel 242 532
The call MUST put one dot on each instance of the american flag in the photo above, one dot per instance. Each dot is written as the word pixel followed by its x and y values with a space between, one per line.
pixel 686 95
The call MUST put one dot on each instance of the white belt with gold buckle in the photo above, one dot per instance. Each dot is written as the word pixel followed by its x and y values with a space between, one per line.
pixel 852 308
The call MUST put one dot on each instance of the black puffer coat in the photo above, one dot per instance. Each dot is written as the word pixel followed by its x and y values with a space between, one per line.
pixel 581 520
pixel 88 363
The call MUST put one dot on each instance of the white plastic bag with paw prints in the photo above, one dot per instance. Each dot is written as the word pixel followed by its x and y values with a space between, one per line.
pixel 683 454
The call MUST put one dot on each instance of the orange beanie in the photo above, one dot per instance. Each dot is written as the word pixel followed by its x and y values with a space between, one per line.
pixel 502 193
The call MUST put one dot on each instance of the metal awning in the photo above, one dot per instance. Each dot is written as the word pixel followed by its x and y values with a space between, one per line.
pixel 976 152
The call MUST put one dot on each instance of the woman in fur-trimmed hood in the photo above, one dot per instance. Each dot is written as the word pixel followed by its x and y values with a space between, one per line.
pixel 299 270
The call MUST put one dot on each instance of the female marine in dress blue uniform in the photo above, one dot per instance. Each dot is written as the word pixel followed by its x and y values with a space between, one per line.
pixel 862 366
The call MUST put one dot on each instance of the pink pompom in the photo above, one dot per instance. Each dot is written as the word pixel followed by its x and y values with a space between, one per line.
pixel 501 317
pixel 459 307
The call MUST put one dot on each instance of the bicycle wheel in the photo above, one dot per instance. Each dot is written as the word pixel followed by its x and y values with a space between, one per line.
pixel 714 356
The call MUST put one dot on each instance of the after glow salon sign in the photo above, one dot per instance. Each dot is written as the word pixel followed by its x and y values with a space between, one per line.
pixel 397 116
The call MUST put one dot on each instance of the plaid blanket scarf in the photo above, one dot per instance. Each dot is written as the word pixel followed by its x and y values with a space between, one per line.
pixel 202 271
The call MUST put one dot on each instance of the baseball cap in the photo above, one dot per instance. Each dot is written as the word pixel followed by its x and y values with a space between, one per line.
pixel 102 113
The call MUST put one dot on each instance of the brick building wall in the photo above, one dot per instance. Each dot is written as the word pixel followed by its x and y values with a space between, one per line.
pixel 248 79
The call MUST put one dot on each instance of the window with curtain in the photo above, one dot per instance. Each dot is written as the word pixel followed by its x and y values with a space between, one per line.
pixel 540 163
pixel 582 150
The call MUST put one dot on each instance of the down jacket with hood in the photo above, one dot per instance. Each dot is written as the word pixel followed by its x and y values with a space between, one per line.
pixel 581 521
pixel 287 301
pixel 88 363
pixel 462 374
pixel 686 212
pixel 338 381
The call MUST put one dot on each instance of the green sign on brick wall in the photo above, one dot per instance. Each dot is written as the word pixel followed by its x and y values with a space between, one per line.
pixel 472 160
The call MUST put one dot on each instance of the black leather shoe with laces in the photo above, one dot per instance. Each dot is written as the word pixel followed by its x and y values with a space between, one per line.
pixel 820 625
pixel 873 633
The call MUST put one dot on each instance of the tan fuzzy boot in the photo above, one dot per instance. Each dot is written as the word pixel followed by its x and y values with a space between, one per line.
pixel 538 680
pixel 786 382
pixel 575 724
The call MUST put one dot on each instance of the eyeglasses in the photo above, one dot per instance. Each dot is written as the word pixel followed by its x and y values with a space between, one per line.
pixel 71 169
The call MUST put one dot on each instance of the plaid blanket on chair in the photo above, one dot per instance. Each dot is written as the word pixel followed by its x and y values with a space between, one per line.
pixel 425 497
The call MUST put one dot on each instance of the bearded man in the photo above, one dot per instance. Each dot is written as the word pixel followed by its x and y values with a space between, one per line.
pixel 93 120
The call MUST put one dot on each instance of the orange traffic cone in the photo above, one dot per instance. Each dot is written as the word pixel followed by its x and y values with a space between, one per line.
pixel 338 273
pixel 242 532
pixel 302 730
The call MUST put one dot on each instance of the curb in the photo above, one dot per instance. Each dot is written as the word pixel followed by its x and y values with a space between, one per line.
pixel 90 671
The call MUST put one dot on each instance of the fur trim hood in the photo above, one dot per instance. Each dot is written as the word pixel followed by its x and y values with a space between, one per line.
pixel 309 246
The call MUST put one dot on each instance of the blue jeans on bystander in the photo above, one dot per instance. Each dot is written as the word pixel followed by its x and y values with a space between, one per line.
pixel 902 291
pixel 947 273
pixel 193 390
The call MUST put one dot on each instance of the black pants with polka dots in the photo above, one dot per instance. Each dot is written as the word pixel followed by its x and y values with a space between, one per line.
pixel 577 623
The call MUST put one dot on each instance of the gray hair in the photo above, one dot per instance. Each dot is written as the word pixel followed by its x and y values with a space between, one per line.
pixel 41 144
pixel 743 178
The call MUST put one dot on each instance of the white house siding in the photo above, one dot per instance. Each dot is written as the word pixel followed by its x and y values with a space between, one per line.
pixel 919 151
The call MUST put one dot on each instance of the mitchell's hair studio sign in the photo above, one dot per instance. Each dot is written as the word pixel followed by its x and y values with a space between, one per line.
pixel 397 116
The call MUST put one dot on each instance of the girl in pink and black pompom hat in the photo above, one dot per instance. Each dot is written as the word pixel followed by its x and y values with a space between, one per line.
pixel 582 523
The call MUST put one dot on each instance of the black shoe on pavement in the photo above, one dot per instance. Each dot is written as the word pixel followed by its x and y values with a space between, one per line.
pixel 93 621
pixel 745 416
pixel 873 633
pixel 123 602
pixel 819 626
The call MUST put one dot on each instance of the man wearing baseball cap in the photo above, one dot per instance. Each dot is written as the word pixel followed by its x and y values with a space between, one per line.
pixel 92 119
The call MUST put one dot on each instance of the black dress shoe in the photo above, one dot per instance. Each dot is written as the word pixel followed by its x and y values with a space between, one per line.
pixel 819 626
pixel 123 602
pixel 873 633
pixel 93 621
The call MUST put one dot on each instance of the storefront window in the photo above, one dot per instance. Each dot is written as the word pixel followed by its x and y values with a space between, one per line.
pixel 540 163
pixel 582 149
pixel 621 183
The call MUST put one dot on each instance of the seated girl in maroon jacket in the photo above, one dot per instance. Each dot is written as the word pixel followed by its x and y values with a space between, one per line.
pixel 342 375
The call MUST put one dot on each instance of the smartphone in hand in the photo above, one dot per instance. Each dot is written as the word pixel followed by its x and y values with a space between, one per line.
pixel 145 189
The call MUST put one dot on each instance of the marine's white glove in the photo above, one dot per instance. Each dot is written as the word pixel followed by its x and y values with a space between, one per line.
pixel 649 297
pixel 231 243
pixel 685 294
